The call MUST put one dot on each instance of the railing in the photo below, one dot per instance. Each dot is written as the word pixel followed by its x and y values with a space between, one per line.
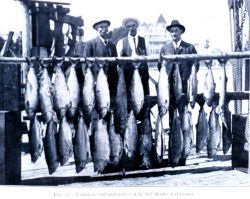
pixel 239 95
pixel 198 57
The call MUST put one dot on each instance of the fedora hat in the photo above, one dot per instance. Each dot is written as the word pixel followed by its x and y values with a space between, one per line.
pixel 125 21
pixel 176 23
pixel 101 21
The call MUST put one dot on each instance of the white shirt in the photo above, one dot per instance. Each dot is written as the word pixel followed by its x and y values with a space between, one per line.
pixel 177 45
pixel 103 40
pixel 119 45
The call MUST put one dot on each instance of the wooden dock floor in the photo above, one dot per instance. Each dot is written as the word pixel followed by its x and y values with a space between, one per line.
pixel 199 171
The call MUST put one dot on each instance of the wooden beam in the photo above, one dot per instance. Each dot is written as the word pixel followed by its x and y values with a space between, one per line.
pixel 155 58
pixel 7 44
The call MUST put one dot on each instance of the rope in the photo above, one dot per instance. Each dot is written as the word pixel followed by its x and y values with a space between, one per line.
pixel 237 64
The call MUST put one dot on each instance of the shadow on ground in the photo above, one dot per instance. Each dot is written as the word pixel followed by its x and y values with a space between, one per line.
pixel 54 181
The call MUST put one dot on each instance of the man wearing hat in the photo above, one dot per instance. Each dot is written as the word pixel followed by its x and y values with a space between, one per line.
pixel 102 46
pixel 130 46
pixel 177 46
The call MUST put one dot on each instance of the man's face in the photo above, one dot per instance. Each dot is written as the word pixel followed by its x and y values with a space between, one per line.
pixel 102 29
pixel 175 33
pixel 132 26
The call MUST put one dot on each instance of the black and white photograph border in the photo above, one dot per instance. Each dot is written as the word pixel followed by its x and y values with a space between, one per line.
pixel 219 33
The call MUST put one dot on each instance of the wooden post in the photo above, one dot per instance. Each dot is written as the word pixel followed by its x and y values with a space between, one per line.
pixel 239 152
pixel 10 147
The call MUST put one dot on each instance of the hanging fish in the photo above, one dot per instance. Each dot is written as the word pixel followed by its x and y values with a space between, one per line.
pixel 74 89
pixel 101 146
pixel 176 143
pixel 50 148
pixel 159 140
pixel 187 130
pixel 146 139
pixel 31 92
pixel 163 95
pixel 102 93
pixel 61 92
pixel 226 131
pixel 209 86
pixel 88 92
pixel 35 139
pixel 137 92
pixel 64 141
pixel 214 133
pixel 115 140
pixel 121 109
pixel 177 83
pixel 81 145
pixel 130 140
pixel 202 130
pixel 222 94
pixel 192 86
pixel 46 95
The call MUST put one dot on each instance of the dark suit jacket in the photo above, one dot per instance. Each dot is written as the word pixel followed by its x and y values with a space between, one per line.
pixel 96 48
pixel 184 66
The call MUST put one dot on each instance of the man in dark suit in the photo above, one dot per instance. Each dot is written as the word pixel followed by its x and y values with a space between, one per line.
pixel 178 46
pixel 101 46
pixel 130 46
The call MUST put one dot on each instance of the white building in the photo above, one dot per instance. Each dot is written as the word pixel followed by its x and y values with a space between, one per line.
pixel 155 35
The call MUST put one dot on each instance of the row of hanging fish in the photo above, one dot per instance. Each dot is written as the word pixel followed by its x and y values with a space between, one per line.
pixel 181 128
pixel 90 130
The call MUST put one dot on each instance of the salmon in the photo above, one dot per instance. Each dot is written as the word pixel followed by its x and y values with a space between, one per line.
pixel 176 143
pixel 222 94
pixel 88 92
pixel 46 95
pixel 159 140
pixel 202 130
pixel 187 130
pixel 130 140
pixel 177 83
pixel 35 139
pixel 64 141
pixel 101 146
pixel 226 131
pixel 163 95
pixel 121 109
pixel 137 92
pixel 50 147
pixel 61 94
pixel 31 97
pixel 115 140
pixel 74 90
pixel 214 133
pixel 81 145
pixel 209 86
pixel 146 139
pixel 192 87
pixel 102 94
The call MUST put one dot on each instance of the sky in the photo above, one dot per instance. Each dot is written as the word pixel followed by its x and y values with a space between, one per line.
pixel 203 19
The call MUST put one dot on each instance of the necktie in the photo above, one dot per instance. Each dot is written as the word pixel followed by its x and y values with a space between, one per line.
pixel 135 44
pixel 106 42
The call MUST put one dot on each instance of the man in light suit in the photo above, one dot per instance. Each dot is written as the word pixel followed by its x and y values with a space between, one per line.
pixel 178 46
pixel 101 46
pixel 133 45
pixel 130 46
